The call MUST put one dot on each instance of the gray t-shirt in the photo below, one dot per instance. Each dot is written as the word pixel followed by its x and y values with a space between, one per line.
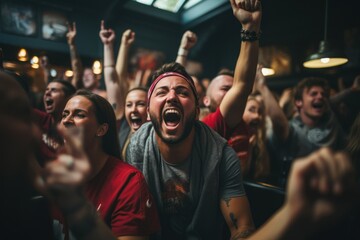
pixel 303 140
pixel 188 194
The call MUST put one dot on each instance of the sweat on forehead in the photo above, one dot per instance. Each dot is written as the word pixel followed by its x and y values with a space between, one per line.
pixel 169 74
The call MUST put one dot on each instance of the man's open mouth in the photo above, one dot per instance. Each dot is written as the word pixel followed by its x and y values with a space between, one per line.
pixel 318 105
pixel 172 117
pixel 49 102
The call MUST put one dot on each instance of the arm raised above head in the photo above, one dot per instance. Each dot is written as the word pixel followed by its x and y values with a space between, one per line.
pixel 188 41
pixel 277 115
pixel 115 88
pixel 233 104
pixel 76 63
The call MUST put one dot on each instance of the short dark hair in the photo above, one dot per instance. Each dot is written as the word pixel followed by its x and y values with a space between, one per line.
pixel 68 88
pixel 308 83
pixel 225 71
pixel 170 67
pixel 104 114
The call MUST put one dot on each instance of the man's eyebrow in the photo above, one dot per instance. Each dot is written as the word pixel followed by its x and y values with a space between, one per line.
pixel 77 110
pixel 162 87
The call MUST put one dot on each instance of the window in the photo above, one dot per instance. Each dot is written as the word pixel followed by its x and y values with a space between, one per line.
pixel 170 5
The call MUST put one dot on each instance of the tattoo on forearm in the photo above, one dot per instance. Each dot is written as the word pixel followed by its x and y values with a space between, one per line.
pixel 113 106
pixel 227 201
pixel 233 220
pixel 243 234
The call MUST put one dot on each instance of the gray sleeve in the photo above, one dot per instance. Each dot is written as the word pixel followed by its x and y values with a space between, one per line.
pixel 231 184
pixel 134 153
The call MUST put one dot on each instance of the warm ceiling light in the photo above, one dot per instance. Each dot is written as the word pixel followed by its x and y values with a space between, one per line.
pixel 35 65
pixel 325 57
pixel 267 71
pixel 34 60
pixel 69 73
pixel 22 55
pixel 96 67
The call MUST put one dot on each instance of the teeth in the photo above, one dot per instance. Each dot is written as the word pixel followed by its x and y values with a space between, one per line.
pixel 172 111
pixel 48 101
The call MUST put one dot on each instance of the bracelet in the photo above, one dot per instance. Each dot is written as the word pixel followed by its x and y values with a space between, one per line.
pixel 105 66
pixel 249 36
pixel 183 52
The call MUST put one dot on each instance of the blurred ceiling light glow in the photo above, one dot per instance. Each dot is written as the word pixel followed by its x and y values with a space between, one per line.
pixel 34 60
pixel 53 72
pixel 267 71
pixel 69 73
pixel 22 55
pixel 35 65
pixel 96 67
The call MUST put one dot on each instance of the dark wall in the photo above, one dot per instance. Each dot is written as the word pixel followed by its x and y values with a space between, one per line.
pixel 150 33
pixel 87 39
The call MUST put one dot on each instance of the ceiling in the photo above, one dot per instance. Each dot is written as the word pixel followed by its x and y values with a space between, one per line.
pixel 292 27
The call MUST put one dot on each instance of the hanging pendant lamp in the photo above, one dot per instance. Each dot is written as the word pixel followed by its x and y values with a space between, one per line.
pixel 325 57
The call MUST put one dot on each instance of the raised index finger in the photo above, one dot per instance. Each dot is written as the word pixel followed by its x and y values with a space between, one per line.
pixel 74 141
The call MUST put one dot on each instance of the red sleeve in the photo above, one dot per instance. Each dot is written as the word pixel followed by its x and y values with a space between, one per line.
pixel 135 213
pixel 216 121
pixel 43 119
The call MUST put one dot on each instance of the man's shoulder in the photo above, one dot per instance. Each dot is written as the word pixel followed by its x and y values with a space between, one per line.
pixel 207 134
pixel 212 117
pixel 143 133
pixel 43 119
pixel 139 142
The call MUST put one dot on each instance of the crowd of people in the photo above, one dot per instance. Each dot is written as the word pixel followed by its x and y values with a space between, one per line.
pixel 168 160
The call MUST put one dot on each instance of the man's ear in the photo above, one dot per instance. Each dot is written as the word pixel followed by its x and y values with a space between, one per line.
pixel 147 114
pixel 298 103
pixel 102 129
pixel 206 101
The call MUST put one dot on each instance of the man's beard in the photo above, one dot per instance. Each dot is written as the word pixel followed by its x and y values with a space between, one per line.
pixel 213 105
pixel 189 124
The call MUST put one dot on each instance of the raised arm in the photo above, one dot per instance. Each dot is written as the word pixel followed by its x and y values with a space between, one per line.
pixel 346 93
pixel 44 66
pixel 115 95
pixel 122 84
pixel 188 41
pixel 76 64
pixel 277 115
pixel 249 15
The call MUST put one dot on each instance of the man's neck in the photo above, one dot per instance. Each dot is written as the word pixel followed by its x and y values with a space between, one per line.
pixel 179 152
pixel 309 121
pixel 57 117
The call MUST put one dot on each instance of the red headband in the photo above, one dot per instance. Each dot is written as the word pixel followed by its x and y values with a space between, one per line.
pixel 168 74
